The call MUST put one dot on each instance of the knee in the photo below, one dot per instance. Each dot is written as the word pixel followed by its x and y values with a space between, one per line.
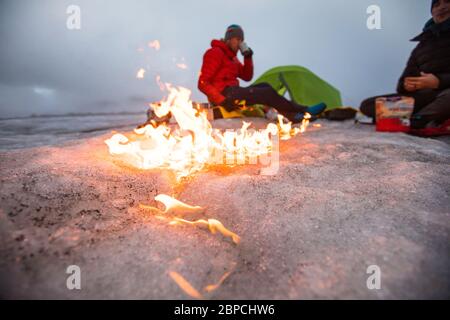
pixel 261 85
pixel 367 107
pixel 445 94
pixel 264 90
pixel 270 89
pixel 265 85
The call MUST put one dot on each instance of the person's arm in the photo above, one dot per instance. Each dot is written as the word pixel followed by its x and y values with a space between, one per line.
pixel 246 70
pixel 411 70
pixel 211 65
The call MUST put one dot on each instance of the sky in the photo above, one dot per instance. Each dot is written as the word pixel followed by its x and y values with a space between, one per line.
pixel 46 68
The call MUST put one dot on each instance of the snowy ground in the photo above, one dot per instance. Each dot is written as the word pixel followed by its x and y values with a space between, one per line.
pixel 49 130
pixel 344 198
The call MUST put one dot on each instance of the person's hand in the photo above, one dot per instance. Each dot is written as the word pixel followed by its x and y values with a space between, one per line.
pixel 425 81
pixel 408 85
pixel 245 50
pixel 248 53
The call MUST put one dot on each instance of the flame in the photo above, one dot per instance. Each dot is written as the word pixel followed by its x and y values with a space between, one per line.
pixel 286 129
pixel 213 287
pixel 185 285
pixel 189 289
pixel 154 44
pixel 194 144
pixel 175 207
pixel 161 85
pixel 213 225
pixel 182 65
pixel 140 73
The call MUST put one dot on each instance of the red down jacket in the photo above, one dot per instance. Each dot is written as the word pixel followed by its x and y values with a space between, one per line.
pixel 220 69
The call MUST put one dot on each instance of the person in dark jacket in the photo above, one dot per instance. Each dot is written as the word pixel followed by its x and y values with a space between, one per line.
pixel 219 79
pixel 426 77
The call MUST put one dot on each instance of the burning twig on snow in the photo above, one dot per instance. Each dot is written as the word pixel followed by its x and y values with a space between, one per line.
pixel 213 287
pixel 174 206
pixel 185 285
pixel 213 226
pixel 194 144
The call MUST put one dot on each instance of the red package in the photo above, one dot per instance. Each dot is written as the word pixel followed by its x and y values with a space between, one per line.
pixel 393 113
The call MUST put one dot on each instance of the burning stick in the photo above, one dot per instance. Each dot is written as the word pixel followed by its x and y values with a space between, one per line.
pixel 185 285
pixel 191 291
pixel 213 226
pixel 213 287
pixel 173 206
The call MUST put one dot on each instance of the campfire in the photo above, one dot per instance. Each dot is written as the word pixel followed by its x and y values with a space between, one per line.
pixel 189 147
pixel 193 144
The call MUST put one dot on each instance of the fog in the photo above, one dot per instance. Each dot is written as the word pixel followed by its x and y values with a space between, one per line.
pixel 46 68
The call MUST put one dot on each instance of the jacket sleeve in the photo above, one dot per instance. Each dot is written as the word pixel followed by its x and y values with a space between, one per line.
pixel 444 80
pixel 246 70
pixel 211 64
pixel 411 70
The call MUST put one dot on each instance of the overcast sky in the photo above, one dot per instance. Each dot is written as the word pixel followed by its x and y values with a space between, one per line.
pixel 47 68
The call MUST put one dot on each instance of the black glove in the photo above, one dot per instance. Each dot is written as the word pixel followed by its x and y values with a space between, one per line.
pixel 245 50
pixel 248 53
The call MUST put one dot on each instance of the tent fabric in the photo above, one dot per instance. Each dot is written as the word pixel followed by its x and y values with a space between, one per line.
pixel 303 86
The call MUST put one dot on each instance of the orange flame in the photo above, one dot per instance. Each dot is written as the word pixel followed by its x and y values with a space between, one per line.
pixel 140 73
pixel 189 289
pixel 194 144
pixel 176 207
pixel 185 285
pixel 213 225
pixel 213 287
pixel 173 206
pixel 182 65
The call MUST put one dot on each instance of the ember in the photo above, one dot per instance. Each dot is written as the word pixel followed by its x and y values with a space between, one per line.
pixel 140 73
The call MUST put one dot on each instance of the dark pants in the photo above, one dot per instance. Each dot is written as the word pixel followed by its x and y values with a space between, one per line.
pixel 429 105
pixel 261 93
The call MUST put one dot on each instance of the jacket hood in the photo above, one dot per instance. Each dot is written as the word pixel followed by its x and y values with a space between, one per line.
pixel 433 29
pixel 222 45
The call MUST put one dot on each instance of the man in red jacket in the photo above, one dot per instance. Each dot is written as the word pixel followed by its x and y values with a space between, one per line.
pixel 219 79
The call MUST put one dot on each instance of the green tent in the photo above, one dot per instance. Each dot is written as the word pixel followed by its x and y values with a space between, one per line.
pixel 302 85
